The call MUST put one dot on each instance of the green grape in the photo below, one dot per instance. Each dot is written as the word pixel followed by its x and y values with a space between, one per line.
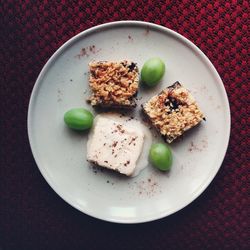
pixel 78 119
pixel 160 156
pixel 152 71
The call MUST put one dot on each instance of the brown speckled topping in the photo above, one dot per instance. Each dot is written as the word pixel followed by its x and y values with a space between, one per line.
pixel 113 83
pixel 146 187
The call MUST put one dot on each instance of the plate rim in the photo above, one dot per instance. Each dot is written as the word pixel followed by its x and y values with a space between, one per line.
pixel 35 89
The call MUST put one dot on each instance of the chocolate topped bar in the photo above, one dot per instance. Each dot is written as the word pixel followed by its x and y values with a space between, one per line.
pixel 113 84
pixel 173 111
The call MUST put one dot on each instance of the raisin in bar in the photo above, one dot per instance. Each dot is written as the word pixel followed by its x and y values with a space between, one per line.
pixel 173 111
pixel 113 84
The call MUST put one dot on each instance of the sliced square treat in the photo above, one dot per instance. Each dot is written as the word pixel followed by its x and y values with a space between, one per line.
pixel 173 111
pixel 115 144
pixel 113 84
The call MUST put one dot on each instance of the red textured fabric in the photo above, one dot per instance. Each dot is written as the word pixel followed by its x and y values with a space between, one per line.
pixel 32 216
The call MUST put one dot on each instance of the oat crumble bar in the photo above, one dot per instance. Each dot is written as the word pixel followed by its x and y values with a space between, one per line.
pixel 113 84
pixel 173 111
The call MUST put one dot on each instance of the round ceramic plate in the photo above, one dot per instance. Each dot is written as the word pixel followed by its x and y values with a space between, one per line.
pixel 61 153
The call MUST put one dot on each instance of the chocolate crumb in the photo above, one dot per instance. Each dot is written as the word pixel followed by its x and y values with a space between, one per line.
pixel 120 128
pixel 132 140
pixel 92 48
pixel 172 103
pixel 126 163
pixel 131 67
pixel 130 38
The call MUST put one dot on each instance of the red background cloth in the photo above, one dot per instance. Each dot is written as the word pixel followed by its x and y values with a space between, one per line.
pixel 33 216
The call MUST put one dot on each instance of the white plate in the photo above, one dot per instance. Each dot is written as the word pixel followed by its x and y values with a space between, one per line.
pixel 60 152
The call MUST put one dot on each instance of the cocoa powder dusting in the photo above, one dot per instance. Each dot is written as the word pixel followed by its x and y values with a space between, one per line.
pixel 132 140
pixel 146 33
pixel 199 146
pixel 87 51
pixel 130 38
pixel 147 187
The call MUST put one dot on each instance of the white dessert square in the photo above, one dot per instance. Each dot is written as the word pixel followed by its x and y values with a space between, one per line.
pixel 115 145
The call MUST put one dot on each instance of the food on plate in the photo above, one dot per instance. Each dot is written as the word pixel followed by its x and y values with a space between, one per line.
pixel 160 156
pixel 78 119
pixel 113 84
pixel 122 143
pixel 119 143
pixel 173 111
pixel 152 71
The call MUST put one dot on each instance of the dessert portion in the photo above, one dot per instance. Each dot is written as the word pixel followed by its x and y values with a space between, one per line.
pixel 173 111
pixel 119 143
pixel 122 143
pixel 113 84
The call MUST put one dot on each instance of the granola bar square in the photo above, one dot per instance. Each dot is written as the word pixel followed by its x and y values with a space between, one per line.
pixel 173 111
pixel 113 84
